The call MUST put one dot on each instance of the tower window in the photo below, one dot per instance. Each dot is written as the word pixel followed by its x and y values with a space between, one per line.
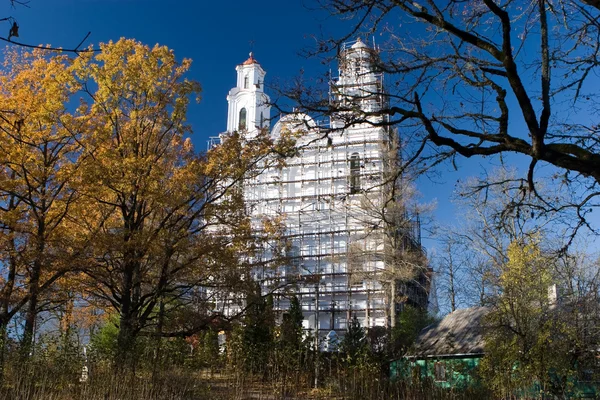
pixel 262 120
pixel 293 264
pixel 246 82
pixel 242 123
pixel 354 173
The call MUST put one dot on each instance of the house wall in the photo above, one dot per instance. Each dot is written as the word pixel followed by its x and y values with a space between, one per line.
pixel 460 372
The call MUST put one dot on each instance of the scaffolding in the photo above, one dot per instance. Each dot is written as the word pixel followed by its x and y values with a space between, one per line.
pixel 334 198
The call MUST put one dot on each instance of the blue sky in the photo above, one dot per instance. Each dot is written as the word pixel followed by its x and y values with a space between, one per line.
pixel 216 35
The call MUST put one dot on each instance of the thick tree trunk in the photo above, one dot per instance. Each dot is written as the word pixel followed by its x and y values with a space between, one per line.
pixel 158 344
pixel 7 292
pixel 125 343
pixel 3 329
pixel 126 337
pixel 32 311
pixel 34 287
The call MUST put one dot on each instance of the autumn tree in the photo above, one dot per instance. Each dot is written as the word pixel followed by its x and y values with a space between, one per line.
pixel 171 237
pixel 528 342
pixel 150 197
pixel 40 157
pixel 485 78
pixel 390 214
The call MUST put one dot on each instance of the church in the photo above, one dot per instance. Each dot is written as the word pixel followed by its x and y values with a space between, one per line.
pixel 351 247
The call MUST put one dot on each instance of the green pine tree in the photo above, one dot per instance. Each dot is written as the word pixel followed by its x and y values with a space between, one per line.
pixel 291 327
pixel 354 344
pixel 257 333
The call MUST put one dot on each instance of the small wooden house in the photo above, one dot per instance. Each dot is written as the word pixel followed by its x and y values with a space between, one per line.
pixel 446 352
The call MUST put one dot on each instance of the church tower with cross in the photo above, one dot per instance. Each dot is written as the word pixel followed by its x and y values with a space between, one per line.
pixel 249 108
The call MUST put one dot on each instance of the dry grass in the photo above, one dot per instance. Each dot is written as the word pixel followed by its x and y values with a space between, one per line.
pixel 180 384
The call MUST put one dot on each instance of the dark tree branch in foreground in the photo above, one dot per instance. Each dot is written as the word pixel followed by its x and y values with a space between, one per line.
pixel 75 50
pixel 463 84
pixel 14 32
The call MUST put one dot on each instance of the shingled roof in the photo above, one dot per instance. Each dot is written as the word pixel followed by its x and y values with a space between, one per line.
pixel 460 332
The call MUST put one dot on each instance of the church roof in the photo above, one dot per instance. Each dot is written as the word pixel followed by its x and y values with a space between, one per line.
pixel 251 60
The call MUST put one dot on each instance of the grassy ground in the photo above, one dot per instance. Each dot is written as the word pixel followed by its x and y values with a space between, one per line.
pixel 231 385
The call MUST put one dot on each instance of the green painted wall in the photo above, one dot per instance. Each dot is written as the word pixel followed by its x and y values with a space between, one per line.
pixel 458 372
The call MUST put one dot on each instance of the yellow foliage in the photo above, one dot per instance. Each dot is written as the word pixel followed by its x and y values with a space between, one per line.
pixel 527 340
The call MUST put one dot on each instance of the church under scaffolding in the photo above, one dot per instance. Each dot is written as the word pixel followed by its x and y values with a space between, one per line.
pixel 351 248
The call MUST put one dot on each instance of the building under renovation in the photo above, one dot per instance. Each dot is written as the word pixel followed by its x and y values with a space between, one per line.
pixel 351 249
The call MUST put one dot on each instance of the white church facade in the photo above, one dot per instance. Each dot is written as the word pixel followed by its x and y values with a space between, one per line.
pixel 351 248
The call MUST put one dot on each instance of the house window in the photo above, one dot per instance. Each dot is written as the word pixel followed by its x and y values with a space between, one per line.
pixel 354 173
pixel 246 82
pixel 416 373
pixel 440 372
pixel 242 123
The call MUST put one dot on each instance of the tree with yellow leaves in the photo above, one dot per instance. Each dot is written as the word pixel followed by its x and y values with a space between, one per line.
pixel 141 176
pixel 170 222
pixel 529 338
pixel 39 157
pixel 106 202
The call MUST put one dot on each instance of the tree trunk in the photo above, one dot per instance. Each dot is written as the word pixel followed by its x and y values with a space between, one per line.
pixel 32 311
pixel 126 337
pixel 34 287
pixel 3 328
pixel 158 348
pixel 7 291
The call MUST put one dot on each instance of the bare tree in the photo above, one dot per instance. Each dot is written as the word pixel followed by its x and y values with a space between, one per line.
pixel 485 78
pixel 392 202
pixel 474 250
pixel 450 266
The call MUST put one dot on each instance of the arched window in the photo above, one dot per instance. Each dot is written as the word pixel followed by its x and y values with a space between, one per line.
pixel 262 120
pixel 246 82
pixel 354 173
pixel 242 123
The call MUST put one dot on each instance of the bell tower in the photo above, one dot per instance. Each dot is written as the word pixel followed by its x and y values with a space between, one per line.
pixel 249 110
pixel 359 87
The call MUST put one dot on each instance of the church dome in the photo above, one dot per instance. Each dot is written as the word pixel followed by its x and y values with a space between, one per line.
pixel 359 44
pixel 251 60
